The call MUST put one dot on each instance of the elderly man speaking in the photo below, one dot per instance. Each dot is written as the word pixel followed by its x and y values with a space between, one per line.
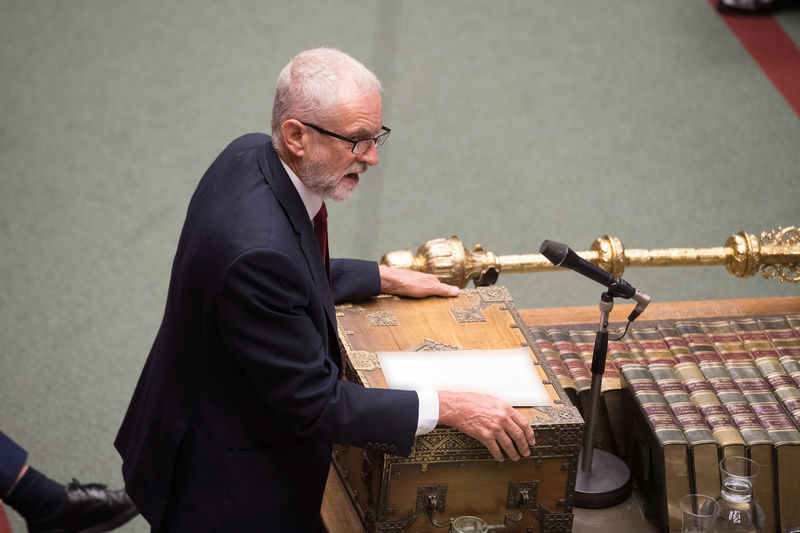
pixel 231 424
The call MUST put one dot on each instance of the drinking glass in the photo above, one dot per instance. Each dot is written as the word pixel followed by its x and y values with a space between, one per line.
pixel 739 512
pixel 699 513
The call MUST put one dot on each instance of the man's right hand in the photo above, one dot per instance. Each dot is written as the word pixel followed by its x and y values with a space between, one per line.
pixel 488 419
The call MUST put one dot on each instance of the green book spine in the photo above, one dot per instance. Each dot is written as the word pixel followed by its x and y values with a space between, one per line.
pixel 584 342
pixel 786 339
pixel 703 455
pixel 580 374
pixel 741 366
pixel 660 418
pixel 619 355
pixel 655 349
pixel 759 445
pixel 767 360
pixel 612 436
pixel 723 429
pixel 759 394
pixel 635 349
pixel 658 448
pixel 712 367
pixel 784 336
pixel 794 322
pixel 545 347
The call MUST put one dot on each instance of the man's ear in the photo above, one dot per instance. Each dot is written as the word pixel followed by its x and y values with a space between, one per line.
pixel 293 133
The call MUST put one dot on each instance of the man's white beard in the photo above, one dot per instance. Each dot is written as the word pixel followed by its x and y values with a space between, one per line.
pixel 315 175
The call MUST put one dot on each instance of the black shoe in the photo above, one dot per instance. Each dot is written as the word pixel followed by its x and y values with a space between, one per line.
pixel 89 509
pixel 746 7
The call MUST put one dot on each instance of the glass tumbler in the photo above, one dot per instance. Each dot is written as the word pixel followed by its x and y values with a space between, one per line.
pixel 698 513
pixel 738 512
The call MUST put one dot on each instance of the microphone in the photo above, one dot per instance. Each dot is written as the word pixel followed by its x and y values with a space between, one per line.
pixel 642 300
pixel 561 255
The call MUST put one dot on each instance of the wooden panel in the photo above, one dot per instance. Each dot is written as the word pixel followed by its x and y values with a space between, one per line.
pixel 664 311
pixel 338 514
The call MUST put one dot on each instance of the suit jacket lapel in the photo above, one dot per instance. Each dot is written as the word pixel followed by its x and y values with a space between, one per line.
pixel 288 197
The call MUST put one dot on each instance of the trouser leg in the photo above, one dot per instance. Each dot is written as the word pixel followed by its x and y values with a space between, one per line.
pixel 12 458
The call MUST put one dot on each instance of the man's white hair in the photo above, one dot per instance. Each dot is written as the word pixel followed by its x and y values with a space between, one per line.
pixel 311 85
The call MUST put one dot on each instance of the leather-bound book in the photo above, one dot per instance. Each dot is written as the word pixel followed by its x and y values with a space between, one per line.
pixel 584 341
pixel 657 448
pixel 579 371
pixel 758 442
pixel 741 366
pixel 545 347
pixel 729 442
pixel 702 445
pixel 794 322
pixel 767 359
pixel 786 340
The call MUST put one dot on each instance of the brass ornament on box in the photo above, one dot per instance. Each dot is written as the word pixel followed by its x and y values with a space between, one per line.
pixel 776 254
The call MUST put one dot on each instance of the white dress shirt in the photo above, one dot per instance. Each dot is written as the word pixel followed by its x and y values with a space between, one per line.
pixel 428 400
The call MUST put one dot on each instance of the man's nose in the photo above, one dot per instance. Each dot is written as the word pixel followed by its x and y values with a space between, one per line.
pixel 370 156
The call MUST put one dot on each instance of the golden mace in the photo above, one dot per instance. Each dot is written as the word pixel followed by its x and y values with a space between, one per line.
pixel 776 254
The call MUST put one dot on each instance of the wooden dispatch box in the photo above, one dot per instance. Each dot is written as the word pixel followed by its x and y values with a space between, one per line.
pixel 448 473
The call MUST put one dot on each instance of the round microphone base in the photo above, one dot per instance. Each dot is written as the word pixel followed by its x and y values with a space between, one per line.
pixel 606 484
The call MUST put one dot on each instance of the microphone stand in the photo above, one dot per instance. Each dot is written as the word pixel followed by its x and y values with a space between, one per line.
pixel 603 479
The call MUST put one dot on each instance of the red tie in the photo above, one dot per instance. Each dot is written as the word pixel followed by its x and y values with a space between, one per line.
pixel 321 229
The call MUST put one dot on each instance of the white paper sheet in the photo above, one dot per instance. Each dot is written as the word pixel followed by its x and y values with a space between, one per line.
pixel 508 374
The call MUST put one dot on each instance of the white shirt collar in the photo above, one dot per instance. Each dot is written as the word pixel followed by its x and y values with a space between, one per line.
pixel 311 200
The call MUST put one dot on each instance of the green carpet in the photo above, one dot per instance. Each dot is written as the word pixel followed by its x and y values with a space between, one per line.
pixel 512 122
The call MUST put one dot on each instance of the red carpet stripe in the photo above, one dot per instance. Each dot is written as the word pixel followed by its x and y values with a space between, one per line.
pixel 5 527
pixel 773 50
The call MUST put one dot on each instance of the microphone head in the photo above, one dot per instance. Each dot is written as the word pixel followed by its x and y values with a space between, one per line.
pixel 555 252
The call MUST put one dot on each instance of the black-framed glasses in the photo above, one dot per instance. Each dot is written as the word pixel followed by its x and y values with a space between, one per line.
pixel 359 145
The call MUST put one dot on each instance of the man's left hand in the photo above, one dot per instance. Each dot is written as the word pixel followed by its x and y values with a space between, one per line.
pixel 404 282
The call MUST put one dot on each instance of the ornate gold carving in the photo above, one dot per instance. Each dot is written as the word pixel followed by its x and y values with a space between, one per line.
pixel 467 314
pixel 381 318
pixel 494 294
pixel 610 254
pixel 789 270
pixel 744 255
pixel 429 345
pixel 447 441
pixel 364 361
pixel 776 254
pixel 451 446
pixel 555 522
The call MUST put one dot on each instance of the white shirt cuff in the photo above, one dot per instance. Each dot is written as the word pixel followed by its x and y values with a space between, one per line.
pixel 428 411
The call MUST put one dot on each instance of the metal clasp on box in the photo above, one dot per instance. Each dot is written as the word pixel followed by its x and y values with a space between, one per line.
pixel 431 499
pixel 522 495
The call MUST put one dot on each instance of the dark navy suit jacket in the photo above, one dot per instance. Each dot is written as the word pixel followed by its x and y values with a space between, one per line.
pixel 231 423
